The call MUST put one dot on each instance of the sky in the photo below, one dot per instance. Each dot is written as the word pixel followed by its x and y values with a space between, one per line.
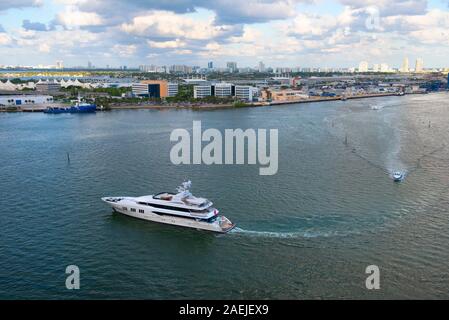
pixel 282 33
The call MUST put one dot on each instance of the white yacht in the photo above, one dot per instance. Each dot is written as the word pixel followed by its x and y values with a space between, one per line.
pixel 180 209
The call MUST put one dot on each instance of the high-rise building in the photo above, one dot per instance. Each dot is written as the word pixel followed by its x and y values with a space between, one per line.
pixel 405 66
pixel 210 65
pixel 384 67
pixel 261 67
pixel 419 65
pixel 232 66
pixel 363 66
pixel 59 65
pixel 89 65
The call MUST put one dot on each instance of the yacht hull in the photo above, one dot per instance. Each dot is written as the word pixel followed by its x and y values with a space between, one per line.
pixel 149 215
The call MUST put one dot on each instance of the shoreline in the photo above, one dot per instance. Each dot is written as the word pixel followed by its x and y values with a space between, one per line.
pixel 230 106
pixel 254 104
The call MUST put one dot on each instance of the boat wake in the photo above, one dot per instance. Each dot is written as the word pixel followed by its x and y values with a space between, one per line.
pixel 292 234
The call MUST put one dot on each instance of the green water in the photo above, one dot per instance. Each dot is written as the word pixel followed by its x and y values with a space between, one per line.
pixel 307 232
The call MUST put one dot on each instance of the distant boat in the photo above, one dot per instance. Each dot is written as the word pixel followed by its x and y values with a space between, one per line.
pixel 398 176
pixel 79 107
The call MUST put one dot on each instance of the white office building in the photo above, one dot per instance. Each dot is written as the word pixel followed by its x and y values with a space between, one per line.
pixel 172 89
pixel 223 90
pixel 202 91
pixel 245 92
pixel 140 89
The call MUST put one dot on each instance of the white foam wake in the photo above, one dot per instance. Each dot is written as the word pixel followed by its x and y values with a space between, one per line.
pixel 292 234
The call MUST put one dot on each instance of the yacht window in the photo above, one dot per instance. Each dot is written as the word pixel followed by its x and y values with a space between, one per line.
pixel 169 207
pixel 133 210
pixel 204 211
pixel 125 208
pixel 141 211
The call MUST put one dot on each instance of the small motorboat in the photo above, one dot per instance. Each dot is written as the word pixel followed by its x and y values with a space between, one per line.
pixel 398 176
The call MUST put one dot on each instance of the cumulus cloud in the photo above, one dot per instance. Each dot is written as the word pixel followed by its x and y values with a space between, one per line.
pixel 390 8
pixel 166 44
pixel 4 39
pixel 195 30
pixel 11 4
pixel 72 17
pixel 36 26
pixel 169 24
pixel 124 50
pixel 227 11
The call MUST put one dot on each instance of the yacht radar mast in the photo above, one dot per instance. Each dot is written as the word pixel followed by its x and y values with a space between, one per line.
pixel 183 189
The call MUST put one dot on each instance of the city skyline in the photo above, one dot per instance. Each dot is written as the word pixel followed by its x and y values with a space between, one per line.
pixel 327 34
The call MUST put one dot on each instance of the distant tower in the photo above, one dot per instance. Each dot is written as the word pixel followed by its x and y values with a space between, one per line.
pixel 89 65
pixel 405 66
pixel 261 67
pixel 59 65
pixel 232 66
pixel 210 65
pixel 419 65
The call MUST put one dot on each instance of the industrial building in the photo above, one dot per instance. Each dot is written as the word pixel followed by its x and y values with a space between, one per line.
pixel 19 100
pixel 155 89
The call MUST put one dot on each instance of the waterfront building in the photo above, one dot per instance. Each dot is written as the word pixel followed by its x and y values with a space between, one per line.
pixel 222 90
pixel 246 93
pixel 202 91
pixel 283 95
pixel 24 100
pixel 155 89
pixel 172 89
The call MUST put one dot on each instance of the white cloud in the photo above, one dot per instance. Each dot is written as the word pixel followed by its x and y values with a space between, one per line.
pixel 167 44
pixel 4 39
pixel 72 17
pixel 169 24
pixel 124 50
pixel 44 48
